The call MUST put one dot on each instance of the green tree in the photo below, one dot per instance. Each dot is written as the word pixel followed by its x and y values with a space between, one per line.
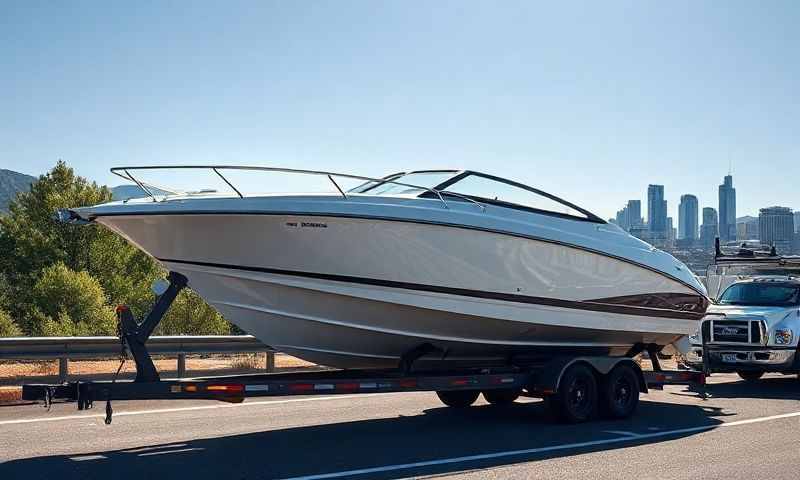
pixel 31 239
pixel 7 326
pixel 34 243
pixel 68 303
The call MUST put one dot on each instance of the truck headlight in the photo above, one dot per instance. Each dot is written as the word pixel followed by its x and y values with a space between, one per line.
pixel 783 336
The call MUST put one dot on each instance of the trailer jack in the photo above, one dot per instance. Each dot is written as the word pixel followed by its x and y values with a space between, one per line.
pixel 135 334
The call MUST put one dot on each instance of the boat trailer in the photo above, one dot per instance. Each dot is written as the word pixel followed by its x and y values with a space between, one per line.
pixel 555 379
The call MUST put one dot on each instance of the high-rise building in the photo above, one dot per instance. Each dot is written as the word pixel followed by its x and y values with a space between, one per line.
pixel 687 217
pixel 747 228
pixel 727 210
pixel 672 233
pixel 797 221
pixel 630 215
pixel 634 212
pixel 709 230
pixel 656 209
pixel 776 227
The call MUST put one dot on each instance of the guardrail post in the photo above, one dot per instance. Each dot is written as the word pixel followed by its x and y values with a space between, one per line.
pixel 63 369
pixel 181 365
pixel 270 366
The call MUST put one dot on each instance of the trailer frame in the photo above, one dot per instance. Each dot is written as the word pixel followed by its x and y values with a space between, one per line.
pixel 526 377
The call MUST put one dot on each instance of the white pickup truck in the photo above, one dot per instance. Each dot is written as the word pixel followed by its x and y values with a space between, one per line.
pixel 753 326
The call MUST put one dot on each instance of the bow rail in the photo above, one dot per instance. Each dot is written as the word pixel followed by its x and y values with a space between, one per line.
pixel 125 173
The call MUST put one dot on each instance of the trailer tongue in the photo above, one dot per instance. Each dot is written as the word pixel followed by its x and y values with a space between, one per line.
pixel 575 388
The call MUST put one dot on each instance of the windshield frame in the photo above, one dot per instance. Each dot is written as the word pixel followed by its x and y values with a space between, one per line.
pixel 589 216
pixel 794 303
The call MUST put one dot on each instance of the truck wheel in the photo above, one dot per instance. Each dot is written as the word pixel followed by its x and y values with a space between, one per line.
pixel 458 398
pixel 576 399
pixel 619 396
pixel 750 375
pixel 502 396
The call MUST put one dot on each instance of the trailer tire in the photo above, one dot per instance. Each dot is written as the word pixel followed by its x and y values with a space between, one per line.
pixel 576 398
pixel 750 375
pixel 619 395
pixel 502 396
pixel 458 398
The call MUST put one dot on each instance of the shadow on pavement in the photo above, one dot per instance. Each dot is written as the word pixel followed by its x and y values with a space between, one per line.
pixel 308 450
pixel 784 387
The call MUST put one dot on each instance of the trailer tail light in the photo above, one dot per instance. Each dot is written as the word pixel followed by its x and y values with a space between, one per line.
pixel 226 388
pixel 301 387
pixel 408 383
pixel 350 387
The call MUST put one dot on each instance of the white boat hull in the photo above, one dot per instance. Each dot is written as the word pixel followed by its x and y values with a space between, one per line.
pixel 360 292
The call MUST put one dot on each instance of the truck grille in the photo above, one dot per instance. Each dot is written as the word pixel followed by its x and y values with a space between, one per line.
pixel 736 331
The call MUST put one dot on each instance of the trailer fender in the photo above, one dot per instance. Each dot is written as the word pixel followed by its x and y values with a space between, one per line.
pixel 549 379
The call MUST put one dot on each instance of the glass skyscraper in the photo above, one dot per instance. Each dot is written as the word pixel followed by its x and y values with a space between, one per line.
pixel 687 217
pixel 727 210
pixel 656 209
pixel 709 230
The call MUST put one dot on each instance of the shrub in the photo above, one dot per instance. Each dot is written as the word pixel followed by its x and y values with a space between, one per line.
pixel 69 303
pixel 7 326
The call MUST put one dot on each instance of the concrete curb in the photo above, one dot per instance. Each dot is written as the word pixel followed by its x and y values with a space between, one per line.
pixel 10 394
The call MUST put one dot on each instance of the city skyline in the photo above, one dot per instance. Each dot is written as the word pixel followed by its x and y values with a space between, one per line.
pixel 777 225
pixel 663 192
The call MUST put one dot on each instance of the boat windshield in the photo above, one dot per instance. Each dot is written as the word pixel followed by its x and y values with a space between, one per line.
pixel 761 294
pixel 490 189
pixel 476 186
pixel 427 179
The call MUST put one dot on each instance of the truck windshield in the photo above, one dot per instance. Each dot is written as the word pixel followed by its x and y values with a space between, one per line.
pixel 761 294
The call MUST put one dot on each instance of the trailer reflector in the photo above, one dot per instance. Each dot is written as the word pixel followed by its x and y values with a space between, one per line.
pixel 256 388
pixel 463 381
pixel 301 387
pixel 408 383
pixel 503 380
pixel 347 386
pixel 226 388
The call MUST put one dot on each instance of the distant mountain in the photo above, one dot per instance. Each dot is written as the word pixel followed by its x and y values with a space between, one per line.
pixel 10 184
pixel 125 192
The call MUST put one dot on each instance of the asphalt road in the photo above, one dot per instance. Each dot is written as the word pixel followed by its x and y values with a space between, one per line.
pixel 742 431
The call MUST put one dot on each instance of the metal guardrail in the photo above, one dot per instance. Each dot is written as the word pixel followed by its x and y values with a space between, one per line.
pixel 66 348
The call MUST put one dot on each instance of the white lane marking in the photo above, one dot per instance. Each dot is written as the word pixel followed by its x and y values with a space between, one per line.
pixel 84 458
pixel 179 409
pixel 622 432
pixel 167 452
pixel 528 451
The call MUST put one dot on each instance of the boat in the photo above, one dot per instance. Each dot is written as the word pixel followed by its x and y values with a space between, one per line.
pixel 446 267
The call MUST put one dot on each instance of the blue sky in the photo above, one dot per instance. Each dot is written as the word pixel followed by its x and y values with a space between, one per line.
pixel 591 101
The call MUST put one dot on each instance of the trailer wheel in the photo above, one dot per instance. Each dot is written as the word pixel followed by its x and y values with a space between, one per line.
pixel 458 398
pixel 620 392
pixel 576 399
pixel 750 375
pixel 501 396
